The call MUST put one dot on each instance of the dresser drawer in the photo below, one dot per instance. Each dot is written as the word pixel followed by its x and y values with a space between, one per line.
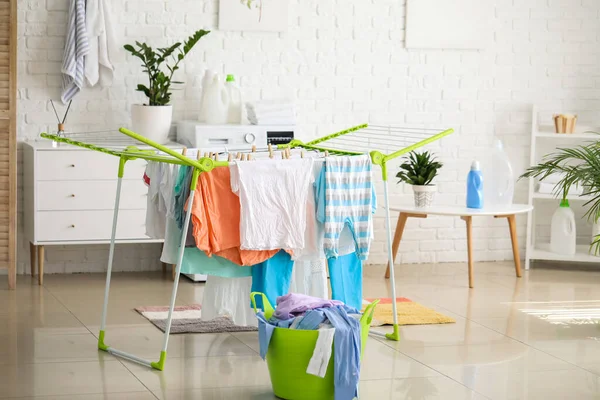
pixel 61 165
pixel 90 195
pixel 89 225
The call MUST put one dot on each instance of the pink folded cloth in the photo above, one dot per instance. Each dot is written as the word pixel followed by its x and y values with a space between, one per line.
pixel 294 304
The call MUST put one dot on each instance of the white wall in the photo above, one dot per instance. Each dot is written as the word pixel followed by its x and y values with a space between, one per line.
pixel 344 63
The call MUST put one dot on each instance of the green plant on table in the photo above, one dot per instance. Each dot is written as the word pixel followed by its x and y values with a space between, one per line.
pixel 158 89
pixel 579 166
pixel 419 169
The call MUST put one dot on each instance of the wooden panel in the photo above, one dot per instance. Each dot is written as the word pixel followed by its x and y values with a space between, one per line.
pixel 8 140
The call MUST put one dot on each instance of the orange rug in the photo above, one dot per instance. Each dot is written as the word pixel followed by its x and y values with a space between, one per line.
pixel 409 313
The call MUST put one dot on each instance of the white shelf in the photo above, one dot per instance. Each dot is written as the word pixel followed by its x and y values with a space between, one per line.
pixel 580 133
pixel 541 251
pixel 573 197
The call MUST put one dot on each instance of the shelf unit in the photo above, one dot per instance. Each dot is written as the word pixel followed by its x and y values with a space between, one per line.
pixel 546 134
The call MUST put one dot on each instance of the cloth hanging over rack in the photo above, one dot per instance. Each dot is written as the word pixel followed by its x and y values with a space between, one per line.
pixel 76 48
pixel 99 67
pixel 273 197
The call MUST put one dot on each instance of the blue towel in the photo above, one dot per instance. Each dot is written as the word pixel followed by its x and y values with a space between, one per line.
pixel 345 273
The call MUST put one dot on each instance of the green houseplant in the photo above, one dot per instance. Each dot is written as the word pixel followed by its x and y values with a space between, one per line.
pixel 153 119
pixel 419 170
pixel 579 165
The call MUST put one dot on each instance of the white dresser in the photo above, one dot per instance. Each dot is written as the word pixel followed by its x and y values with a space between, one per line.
pixel 69 198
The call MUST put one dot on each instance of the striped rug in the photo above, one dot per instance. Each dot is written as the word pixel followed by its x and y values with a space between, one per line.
pixel 186 319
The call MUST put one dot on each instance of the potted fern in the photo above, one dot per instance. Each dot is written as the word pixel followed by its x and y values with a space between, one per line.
pixel 577 166
pixel 153 119
pixel 419 170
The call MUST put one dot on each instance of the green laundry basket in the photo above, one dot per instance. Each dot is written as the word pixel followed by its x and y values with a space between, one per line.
pixel 288 355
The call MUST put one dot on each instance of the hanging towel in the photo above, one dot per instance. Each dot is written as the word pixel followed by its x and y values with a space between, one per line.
pixel 76 48
pixel 98 64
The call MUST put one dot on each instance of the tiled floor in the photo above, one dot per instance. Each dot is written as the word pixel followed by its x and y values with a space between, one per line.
pixel 532 338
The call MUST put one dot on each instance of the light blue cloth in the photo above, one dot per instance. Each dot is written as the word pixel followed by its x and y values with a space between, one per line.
pixel 272 277
pixel 265 331
pixel 345 273
pixel 195 261
pixel 346 350
pixel 311 320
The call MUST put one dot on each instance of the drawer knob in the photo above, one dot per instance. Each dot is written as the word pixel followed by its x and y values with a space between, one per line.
pixel 72 195
pixel 72 166
pixel 72 226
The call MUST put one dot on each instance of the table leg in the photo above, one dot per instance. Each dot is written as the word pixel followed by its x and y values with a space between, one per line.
pixel 512 224
pixel 40 265
pixel 32 253
pixel 402 218
pixel 469 222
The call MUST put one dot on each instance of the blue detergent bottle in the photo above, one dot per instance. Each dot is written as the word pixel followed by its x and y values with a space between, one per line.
pixel 475 186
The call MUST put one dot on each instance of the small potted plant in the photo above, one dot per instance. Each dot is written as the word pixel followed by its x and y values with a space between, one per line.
pixel 153 119
pixel 419 170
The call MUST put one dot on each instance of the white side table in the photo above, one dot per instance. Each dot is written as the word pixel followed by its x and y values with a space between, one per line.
pixel 467 215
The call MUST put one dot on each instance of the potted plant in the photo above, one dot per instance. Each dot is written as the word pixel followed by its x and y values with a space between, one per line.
pixel 578 166
pixel 153 119
pixel 419 170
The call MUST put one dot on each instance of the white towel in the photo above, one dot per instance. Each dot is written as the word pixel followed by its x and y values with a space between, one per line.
pixel 76 47
pixel 98 64
pixel 320 359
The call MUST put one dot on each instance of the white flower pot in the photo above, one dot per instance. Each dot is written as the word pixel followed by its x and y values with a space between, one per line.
pixel 153 122
pixel 424 195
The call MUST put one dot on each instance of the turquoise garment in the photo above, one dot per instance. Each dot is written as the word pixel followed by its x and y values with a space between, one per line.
pixel 195 261
pixel 345 276
pixel 182 192
pixel 272 277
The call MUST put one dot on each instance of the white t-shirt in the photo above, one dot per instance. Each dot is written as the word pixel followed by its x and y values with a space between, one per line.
pixel 273 199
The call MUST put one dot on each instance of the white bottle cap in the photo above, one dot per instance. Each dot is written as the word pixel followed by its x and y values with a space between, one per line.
pixel 475 165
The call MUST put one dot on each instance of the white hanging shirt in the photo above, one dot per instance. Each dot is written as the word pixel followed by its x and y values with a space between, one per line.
pixel 273 202
pixel 98 65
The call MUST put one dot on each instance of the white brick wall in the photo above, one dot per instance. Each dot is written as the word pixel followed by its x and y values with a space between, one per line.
pixel 344 63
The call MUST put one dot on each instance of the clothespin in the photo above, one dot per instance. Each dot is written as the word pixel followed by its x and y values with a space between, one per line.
pixel 326 153
pixel 270 150
pixel 283 155
pixel 206 154
pixel 230 157
pixel 216 156
pixel 244 157
pixel 184 152
pixel 254 148
pixel 199 156
pixel 249 158
pixel 288 153
pixel 238 156
pixel 302 154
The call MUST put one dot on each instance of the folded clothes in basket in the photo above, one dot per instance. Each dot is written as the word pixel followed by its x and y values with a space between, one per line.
pixel 338 325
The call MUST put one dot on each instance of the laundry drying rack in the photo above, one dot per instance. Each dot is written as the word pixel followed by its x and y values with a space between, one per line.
pixel 377 141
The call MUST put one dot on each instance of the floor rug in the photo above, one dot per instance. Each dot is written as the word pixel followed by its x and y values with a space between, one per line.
pixel 186 319
pixel 409 313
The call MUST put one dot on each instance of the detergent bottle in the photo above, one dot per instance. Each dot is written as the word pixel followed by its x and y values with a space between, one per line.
pixel 563 235
pixel 234 116
pixel 206 81
pixel 499 178
pixel 216 102
pixel 475 186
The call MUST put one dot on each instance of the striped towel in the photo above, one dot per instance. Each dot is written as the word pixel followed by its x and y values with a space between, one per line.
pixel 76 47
pixel 348 200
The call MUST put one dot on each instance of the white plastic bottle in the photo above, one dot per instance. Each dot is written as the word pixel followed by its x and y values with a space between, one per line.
pixel 234 115
pixel 216 102
pixel 499 179
pixel 206 81
pixel 563 236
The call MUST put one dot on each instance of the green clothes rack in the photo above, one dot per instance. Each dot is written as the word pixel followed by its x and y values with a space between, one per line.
pixel 348 142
